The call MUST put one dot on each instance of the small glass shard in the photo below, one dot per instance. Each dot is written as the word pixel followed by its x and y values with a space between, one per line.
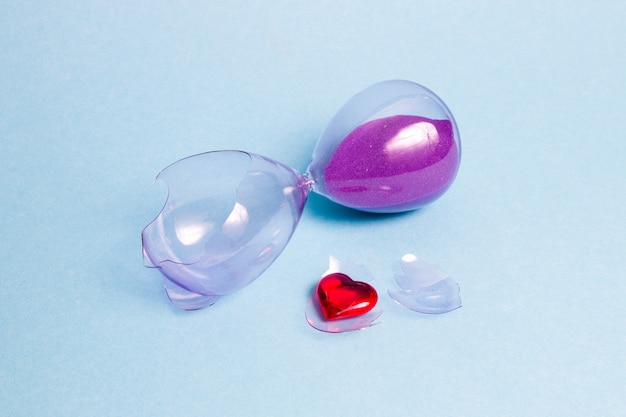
pixel 426 288
pixel 416 273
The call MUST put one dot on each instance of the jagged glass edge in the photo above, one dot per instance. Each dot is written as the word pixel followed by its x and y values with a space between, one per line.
pixel 426 288
pixel 147 262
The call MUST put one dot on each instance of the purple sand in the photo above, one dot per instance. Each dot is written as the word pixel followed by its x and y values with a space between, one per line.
pixel 399 162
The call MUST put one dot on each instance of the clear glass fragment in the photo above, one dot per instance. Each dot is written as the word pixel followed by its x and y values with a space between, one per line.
pixel 426 288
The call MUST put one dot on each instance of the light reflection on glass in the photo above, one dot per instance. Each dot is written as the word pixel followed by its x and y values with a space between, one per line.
pixel 235 224
pixel 415 135
pixel 192 232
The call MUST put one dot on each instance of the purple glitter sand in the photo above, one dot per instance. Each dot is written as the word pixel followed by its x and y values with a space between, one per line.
pixel 394 163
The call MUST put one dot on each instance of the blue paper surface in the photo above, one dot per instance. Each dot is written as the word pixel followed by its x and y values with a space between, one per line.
pixel 97 97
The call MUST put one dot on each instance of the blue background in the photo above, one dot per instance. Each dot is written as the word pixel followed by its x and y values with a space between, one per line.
pixel 96 98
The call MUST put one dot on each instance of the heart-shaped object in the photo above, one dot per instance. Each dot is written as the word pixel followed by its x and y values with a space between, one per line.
pixel 341 297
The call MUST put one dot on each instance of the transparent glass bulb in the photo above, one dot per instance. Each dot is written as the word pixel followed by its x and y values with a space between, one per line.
pixel 228 215
pixel 393 147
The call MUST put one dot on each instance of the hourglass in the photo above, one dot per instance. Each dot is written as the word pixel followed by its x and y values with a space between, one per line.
pixel 391 148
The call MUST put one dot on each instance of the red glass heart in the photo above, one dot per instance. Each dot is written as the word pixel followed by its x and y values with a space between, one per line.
pixel 341 297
